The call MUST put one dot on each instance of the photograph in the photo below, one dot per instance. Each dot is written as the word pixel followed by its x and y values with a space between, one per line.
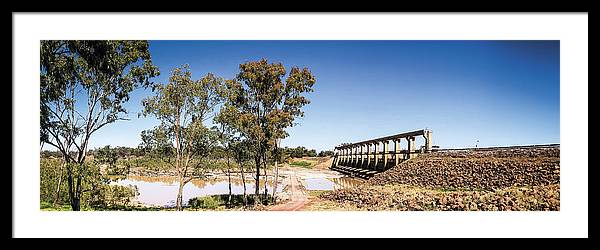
pixel 266 125
pixel 301 125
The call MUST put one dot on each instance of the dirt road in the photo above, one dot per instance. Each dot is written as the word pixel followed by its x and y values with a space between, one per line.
pixel 297 194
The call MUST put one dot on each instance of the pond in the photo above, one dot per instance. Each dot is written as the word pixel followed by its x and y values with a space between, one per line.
pixel 162 191
pixel 331 183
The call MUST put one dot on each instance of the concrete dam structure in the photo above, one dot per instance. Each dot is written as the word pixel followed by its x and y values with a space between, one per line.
pixel 366 158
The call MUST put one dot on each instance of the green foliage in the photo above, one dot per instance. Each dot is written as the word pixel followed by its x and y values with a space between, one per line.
pixel 120 151
pixel 112 195
pixel 96 193
pixel 99 73
pixel 206 202
pixel 150 163
pixel 183 97
pixel 260 105
pixel 216 202
pixel 83 87
pixel 242 151
pixel 299 152
pixel 89 179
pixel 50 172
pixel 157 143
pixel 48 206
pixel 106 156
pixel 50 154
pixel 120 169
pixel 327 153
pixel 301 163
pixel 263 103
pixel 182 106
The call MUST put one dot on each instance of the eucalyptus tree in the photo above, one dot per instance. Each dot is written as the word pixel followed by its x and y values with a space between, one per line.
pixel 182 139
pixel 241 150
pixel 236 147
pixel 234 143
pixel 265 104
pixel 227 137
pixel 83 87
pixel 106 155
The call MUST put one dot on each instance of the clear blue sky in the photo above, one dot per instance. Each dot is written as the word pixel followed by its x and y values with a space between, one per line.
pixel 497 92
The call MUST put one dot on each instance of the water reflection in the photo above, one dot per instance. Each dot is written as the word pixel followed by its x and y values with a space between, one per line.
pixel 331 183
pixel 162 190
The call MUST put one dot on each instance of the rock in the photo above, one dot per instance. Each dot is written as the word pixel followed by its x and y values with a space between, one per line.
pixel 476 169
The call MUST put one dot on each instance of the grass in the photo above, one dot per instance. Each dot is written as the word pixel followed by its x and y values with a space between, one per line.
pixel 318 204
pixel 219 202
pixel 316 193
pixel 308 162
pixel 47 206
pixel 213 202
pixel 303 164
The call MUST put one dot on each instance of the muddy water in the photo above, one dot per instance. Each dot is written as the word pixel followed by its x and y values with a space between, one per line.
pixel 162 191
pixel 331 183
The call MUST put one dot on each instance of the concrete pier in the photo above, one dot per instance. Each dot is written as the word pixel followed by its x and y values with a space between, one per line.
pixel 368 157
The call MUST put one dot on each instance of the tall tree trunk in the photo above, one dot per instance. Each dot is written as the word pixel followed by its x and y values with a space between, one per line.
pixel 266 178
pixel 74 196
pixel 179 202
pixel 257 186
pixel 75 204
pixel 78 189
pixel 229 180
pixel 243 183
pixel 275 182
pixel 74 200
pixel 180 174
pixel 59 182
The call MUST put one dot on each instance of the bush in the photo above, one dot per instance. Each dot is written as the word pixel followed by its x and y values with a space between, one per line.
pixel 220 201
pixel 112 195
pixel 98 194
pixel 206 202
pixel 301 164
pixel 327 153
pixel 51 171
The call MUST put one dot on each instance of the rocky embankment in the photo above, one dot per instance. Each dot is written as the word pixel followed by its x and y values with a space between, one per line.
pixel 503 179
pixel 477 170
pixel 408 198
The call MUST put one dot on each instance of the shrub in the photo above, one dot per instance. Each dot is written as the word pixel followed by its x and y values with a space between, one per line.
pixel 206 202
pixel 301 163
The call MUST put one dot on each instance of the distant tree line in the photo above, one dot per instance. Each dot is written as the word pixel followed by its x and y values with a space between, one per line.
pixel 121 152
pixel 301 151
pixel 326 153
